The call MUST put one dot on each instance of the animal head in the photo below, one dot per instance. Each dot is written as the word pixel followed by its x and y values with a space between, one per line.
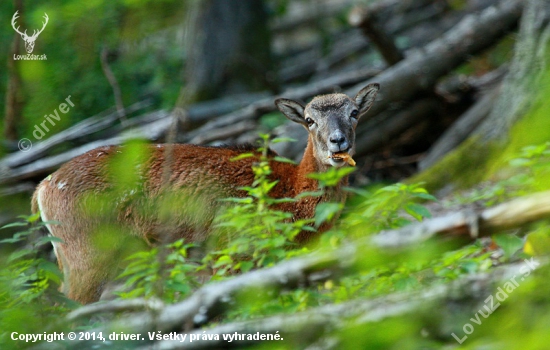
pixel 331 121
pixel 29 40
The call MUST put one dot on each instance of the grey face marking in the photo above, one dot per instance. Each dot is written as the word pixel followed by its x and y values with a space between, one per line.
pixel 331 121
pixel 333 128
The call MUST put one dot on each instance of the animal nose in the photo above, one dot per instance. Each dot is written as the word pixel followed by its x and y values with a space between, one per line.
pixel 337 138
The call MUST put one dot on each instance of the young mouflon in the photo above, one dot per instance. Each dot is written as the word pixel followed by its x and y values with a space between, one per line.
pixel 178 189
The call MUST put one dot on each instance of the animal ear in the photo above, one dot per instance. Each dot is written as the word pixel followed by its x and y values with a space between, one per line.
pixel 291 109
pixel 365 98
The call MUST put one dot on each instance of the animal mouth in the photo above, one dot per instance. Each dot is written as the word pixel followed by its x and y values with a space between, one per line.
pixel 341 157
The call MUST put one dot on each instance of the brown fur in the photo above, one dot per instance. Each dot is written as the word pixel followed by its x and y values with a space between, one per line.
pixel 184 199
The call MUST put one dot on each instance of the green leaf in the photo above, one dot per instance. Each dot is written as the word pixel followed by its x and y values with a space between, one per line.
pixel 282 200
pixel 538 242
pixel 19 254
pixel 359 191
pixel 401 222
pixel 309 194
pixel 521 162
pixel 390 188
pixel 246 200
pixel 283 139
pixel 48 239
pixel 325 212
pixel 469 266
pixel 509 243
pixel 332 176
pixel 242 156
pixel 15 224
pixel 417 211
pixel 406 283
pixel 14 239
pixel 246 266
pixel 426 196
pixel 52 222
pixel 33 218
pixel 223 260
pixel 284 160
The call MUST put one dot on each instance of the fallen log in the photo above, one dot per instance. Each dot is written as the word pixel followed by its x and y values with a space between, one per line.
pixel 305 14
pixel 78 131
pixel 42 167
pixel 421 70
pixel 398 16
pixel 515 213
pixel 225 132
pixel 106 123
pixel 414 25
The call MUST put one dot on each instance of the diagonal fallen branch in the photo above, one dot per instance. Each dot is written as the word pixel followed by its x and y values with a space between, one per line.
pixel 117 306
pixel 515 213
pixel 421 70
pixel 80 130
pixel 150 131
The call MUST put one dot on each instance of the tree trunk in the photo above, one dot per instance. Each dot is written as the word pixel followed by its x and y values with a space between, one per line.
pixel 519 116
pixel 14 100
pixel 522 86
pixel 222 56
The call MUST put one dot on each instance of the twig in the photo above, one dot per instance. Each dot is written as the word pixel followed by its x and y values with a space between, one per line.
pixel 114 84
pixel 371 27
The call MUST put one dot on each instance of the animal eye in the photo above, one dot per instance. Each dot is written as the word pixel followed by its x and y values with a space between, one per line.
pixel 309 121
pixel 354 114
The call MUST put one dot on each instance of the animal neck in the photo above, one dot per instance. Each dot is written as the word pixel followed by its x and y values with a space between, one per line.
pixel 310 164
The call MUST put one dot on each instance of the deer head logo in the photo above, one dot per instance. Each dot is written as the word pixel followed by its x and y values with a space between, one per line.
pixel 29 40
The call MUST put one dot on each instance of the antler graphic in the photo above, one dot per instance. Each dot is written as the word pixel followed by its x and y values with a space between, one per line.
pixel 13 19
pixel 43 26
pixel 29 40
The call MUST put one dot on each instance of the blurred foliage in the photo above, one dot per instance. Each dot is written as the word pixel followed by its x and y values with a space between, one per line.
pixel 145 55
pixel 143 38
pixel 259 236
pixel 165 274
pixel 28 282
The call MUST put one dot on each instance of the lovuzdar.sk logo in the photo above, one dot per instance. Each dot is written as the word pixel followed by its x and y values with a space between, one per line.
pixel 29 39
